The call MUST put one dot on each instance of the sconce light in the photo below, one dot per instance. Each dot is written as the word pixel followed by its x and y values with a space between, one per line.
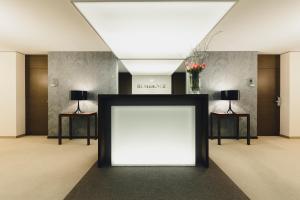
pixel 54 82
pixel 251 83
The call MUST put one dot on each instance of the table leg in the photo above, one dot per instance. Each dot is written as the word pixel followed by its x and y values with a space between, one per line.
pixel 237 128
pixel 219 131
pixel 70 128
pixel 211 127
pixel 248 130
pixel 88 130
pixel 59 130
pixel 96 127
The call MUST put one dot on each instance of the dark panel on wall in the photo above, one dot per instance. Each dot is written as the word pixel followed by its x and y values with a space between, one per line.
pixel 125 83
pixel 268 89
pixel 178 83
pixel 36 70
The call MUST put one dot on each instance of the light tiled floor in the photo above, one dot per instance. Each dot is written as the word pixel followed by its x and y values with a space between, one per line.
pixel 36 168
pixel 267 169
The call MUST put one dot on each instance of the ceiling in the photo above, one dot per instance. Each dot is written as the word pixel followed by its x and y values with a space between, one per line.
pixel 266 26
pixel 40 26
pixel 155 36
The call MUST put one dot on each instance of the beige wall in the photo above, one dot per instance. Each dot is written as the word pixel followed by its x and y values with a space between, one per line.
pixel 12 87
pixel 20 93
pixel 284 94
pixel 290 94
pixel 294 93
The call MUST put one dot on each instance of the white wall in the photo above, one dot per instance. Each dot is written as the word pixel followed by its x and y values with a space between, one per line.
pixel 12 87
pixel 146 84
pixel 290 94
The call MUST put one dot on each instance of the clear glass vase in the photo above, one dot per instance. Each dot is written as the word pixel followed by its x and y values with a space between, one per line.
pixel 195 84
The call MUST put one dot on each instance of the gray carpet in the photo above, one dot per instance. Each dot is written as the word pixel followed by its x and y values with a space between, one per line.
pixel 155 183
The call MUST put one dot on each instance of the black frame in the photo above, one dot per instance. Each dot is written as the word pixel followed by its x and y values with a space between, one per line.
pixel 104 120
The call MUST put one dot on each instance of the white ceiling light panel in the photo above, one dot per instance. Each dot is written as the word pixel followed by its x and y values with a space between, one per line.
pixel 151 67
pixel 153 30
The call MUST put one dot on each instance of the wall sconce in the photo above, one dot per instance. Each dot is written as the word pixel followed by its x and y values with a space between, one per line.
pixel 251 83
pixel 54 82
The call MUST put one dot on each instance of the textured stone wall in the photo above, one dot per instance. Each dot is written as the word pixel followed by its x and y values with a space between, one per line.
pixel 231 70
pixel 95 72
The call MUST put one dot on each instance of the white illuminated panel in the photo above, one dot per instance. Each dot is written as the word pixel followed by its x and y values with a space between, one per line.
pixel 151 67
pixel 153 135
pixel 153 30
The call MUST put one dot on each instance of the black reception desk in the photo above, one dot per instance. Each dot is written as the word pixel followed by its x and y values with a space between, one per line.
pixel 106 104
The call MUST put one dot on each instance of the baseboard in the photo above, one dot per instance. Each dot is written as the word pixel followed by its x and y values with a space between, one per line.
pixel 233 137
pixel 290 137
pixel 36 134
pixel 18 136
pixel 8 137
pixel 284 136
pixel 67 137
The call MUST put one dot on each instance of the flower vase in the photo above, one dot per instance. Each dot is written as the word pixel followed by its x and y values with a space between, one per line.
pixel 195 83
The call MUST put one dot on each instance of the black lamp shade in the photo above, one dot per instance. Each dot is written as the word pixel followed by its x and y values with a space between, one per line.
pixel 230 95
pixel 78 95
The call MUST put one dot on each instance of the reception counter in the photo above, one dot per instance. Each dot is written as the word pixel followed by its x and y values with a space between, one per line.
pixel 153 130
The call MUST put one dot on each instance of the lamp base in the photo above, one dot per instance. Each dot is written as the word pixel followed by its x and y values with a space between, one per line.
pixel 78 111
pixel 230 111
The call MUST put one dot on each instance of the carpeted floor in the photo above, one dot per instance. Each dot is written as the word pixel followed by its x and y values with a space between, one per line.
pixel 155 183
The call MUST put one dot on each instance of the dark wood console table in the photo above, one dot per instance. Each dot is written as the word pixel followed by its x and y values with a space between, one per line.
pixel 235 116
pixel 86 115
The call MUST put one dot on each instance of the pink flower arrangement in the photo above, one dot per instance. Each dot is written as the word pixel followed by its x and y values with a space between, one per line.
pixel 192 67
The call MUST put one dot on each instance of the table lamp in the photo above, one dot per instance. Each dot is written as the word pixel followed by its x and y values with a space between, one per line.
pixel 78 95
pixel 230 95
